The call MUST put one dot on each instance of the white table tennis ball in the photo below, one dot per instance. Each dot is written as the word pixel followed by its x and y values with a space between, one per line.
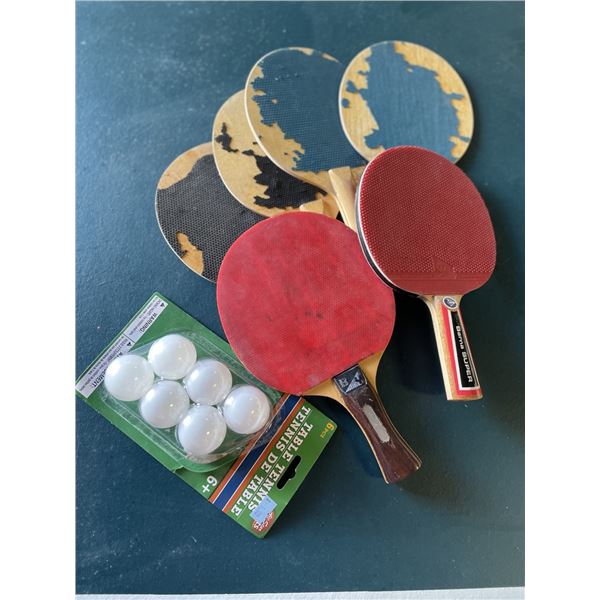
pixel 201 430
pixel 128 377
pixel 164 404
pixel 172 356
pixel 208 382
pixel 247 409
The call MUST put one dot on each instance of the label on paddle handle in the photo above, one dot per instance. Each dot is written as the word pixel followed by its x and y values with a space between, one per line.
pixel 465 383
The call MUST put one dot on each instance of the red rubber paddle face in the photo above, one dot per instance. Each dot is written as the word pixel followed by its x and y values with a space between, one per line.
pixel 298 302
pixel 423 225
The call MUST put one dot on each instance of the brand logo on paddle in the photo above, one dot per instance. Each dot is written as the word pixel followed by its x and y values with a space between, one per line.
pixel 350 380
pixel 450 303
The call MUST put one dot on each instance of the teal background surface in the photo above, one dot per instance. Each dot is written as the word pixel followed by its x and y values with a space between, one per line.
pixel 150 77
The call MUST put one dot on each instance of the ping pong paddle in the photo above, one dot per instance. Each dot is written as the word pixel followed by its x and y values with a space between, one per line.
pixel 291 104
pixel 314 321
pixel 425 229
pixel 197 215
pixel 402 94
pixel 251 177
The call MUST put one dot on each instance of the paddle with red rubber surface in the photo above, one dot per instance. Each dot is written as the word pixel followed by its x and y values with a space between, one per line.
pixel 306 315
pixel 425 229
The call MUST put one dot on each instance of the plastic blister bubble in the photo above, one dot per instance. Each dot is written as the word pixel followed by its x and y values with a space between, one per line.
pixel 155 407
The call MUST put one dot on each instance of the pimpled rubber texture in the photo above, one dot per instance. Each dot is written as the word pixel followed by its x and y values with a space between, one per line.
pixel 298 92
pixel 298 302
pixel 200 219
pixel 423 223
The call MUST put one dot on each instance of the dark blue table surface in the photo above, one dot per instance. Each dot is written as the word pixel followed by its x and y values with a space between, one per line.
pixel 150 77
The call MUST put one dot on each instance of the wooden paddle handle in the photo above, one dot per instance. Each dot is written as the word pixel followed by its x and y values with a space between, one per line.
pixel 458 369
pixel 395 457
pixel 344 191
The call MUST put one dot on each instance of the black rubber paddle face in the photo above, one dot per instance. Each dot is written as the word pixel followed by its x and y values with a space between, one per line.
pixel 197 215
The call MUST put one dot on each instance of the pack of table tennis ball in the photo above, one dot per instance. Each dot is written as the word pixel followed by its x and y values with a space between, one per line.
pixel 177 390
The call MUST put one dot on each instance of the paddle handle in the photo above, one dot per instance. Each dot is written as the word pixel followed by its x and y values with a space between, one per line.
pixel 344 190
pixel 395 457
pixel 458 369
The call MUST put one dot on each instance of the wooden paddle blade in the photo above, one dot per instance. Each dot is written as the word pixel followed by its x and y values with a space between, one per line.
pixel 456 360
pixel 291 103
pixel 401 94
pixel 342 182
pixel 396 459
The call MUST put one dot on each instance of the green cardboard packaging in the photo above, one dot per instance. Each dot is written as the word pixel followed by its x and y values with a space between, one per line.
pixel 254 480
